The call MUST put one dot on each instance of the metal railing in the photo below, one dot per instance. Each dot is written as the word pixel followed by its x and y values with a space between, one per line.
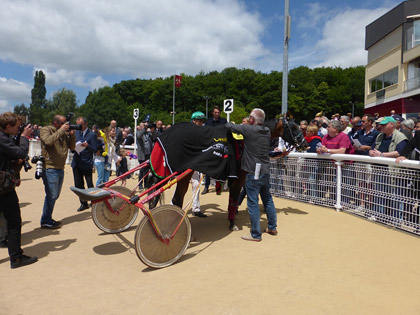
pixel 35 149
pixel 378 189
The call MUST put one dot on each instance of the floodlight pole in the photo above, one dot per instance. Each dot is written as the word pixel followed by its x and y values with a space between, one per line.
pixel 285 56
pixel 207 105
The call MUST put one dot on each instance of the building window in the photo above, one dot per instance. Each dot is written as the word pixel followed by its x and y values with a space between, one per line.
pixel 384 80
pixel 413 35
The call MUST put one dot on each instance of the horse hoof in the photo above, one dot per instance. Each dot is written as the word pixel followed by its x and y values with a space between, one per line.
pixel 234 228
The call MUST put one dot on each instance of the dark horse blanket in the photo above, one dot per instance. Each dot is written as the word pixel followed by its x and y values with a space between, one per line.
pixel 205 149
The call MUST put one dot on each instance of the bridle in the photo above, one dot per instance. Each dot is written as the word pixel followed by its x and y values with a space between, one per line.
pixel 296 142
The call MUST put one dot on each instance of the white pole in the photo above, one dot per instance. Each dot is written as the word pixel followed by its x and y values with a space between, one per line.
pixel 135 134
pixel 285 56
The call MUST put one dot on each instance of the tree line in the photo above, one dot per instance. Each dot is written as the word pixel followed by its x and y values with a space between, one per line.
pixel 328 89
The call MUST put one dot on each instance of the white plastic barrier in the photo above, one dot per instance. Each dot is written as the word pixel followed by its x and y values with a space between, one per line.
pixel 34 147
pixel 376 188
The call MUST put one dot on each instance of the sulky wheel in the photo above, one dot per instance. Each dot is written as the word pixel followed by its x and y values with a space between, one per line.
pixel 150 249
pixel 110 222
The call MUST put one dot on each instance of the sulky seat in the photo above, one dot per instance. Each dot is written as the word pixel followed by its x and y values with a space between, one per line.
pixel 90 194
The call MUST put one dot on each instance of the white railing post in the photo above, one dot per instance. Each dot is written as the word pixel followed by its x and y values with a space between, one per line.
pixel 338 189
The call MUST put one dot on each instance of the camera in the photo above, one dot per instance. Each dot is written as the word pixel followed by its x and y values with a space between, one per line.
pixel 16 140
pixel 75 126
pixel 26 165
pixel 38 160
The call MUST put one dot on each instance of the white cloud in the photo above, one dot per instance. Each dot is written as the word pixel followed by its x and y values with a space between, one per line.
pixel 13 91
pixel 76 38
pixel 76 78
pixel 333 37
pixel 343 38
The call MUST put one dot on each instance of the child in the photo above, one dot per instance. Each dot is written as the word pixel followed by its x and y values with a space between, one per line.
pixel 122 166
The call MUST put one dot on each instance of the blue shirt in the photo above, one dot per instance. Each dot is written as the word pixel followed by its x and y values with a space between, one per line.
pixel 366 139
pixel 386 141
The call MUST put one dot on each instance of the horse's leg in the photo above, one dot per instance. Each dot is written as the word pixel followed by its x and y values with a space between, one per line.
pixel 181 190
pixel 234 191
pixel 150 181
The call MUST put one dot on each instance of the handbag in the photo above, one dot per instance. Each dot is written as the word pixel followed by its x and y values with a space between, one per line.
pixel 7 182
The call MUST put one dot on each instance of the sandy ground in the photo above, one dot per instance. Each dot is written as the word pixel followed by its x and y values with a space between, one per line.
pixel 321 262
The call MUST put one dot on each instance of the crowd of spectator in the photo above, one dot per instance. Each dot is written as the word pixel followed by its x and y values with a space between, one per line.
pixel 370 135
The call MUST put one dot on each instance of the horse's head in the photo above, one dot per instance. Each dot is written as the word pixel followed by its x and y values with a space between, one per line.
pixel 290 132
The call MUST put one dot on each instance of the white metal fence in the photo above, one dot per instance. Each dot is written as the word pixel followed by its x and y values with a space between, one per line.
pixel 35 149
pixel 374 188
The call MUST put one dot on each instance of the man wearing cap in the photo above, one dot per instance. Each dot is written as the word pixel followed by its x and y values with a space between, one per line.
pixel 198 119
pixel 390 142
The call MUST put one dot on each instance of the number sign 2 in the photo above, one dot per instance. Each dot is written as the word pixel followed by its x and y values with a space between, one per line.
pixel 228 106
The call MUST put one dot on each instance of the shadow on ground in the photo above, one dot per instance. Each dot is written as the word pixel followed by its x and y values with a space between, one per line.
pixel 43 249
pixel 205 231
pixel 29 237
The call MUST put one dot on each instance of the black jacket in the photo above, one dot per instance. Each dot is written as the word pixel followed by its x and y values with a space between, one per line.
pixel 211 122
pixel 84 160
pixel 10 151
pixel 413 144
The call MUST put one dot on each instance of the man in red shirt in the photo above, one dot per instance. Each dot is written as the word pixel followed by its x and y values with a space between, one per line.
pixel 336 141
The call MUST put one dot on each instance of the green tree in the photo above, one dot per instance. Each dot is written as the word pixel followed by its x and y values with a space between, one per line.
pixel 62 102
pixel 21 110
pixel 104 105
pixel 37 107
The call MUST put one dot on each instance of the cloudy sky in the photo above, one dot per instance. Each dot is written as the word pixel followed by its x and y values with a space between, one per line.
pixel 83 45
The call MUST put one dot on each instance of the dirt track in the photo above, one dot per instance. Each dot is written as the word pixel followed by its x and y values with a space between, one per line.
pixel 322 262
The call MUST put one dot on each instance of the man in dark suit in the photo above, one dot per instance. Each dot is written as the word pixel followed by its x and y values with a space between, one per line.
pixel 82 163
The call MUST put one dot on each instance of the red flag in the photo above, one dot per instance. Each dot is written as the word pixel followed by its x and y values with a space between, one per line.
pixel 178 80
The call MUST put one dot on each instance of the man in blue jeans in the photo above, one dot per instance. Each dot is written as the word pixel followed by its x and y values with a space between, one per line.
pixel 56 140
pixel 255 161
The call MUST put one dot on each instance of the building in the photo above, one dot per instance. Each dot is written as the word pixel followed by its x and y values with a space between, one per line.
pixel 392 80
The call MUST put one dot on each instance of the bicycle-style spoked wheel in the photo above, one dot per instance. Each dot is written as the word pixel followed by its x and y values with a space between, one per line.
pixel 150 249
pixel 110 222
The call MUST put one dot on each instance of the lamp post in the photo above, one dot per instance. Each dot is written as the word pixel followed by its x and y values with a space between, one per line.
pixel 352 107
pixel 207 104
pixel 285 56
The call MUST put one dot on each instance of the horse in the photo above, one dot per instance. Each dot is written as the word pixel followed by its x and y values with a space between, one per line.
pixel 283 127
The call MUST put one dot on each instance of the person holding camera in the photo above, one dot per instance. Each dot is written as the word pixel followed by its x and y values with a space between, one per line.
pixel 56 140
pixel 9 202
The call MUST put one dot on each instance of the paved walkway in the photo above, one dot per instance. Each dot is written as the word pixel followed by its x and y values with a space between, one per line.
pixel 322 262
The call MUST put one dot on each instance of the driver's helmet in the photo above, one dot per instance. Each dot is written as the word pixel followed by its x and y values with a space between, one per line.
pixel 198 116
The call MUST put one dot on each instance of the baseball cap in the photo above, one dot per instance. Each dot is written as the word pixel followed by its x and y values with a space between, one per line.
pixel 386 120
pixel 398 117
